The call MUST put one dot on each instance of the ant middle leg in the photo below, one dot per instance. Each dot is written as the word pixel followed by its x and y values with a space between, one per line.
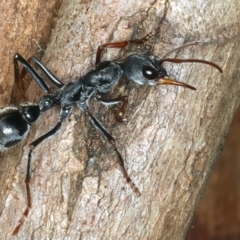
pixel 123 100
pixel 111 140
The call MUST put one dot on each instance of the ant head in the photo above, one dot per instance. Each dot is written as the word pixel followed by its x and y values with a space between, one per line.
pixel 148 70
pixel 143 69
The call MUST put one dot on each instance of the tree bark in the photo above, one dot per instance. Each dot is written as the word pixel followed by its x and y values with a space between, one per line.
pixel 217 216
pixel 170 142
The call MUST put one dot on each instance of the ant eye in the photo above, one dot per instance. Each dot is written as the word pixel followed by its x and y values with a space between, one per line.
pixel 149 73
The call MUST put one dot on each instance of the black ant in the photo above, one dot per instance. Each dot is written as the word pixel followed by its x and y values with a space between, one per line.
pixel 137 67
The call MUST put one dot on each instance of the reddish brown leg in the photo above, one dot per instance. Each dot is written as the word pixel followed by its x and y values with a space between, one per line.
pixel 111 140
pixel 29 205
pixel 123 100
pixel 122 44
pixel 33 145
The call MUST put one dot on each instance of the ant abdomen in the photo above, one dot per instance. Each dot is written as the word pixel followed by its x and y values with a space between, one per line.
pixel 15 124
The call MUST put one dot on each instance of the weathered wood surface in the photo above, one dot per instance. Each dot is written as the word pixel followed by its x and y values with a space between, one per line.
pixel 170 142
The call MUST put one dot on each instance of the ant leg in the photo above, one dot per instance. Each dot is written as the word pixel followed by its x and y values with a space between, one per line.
pixel 48 73
pixel 33 145
pixel 64 114
pixel 121 44
pixel 111 140
pixel 38 79
pixel 123 100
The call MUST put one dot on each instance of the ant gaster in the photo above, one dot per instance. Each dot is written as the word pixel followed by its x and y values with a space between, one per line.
pixel 140 68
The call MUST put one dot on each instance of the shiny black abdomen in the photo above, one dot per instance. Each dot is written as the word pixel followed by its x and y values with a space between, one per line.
pixel 13 128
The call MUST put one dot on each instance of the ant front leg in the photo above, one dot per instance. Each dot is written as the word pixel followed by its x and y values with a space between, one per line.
pixel 121 44
pixel 123 100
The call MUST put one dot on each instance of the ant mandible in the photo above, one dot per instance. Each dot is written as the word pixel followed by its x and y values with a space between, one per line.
pixel 143 69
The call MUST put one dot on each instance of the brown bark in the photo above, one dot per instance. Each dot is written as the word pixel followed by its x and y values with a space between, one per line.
pixel 170 142
pixel 218 214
